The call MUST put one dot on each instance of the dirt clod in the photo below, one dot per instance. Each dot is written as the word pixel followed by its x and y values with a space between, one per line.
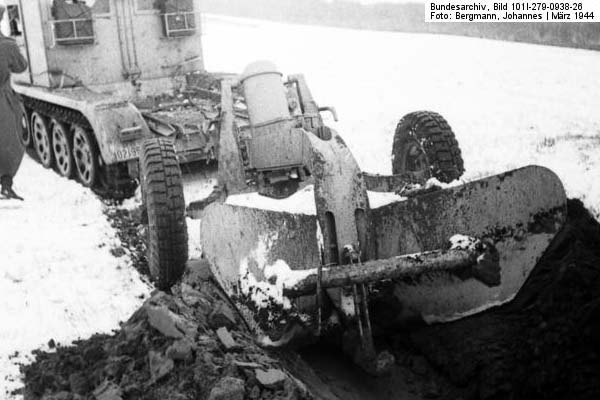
pixel 108 391
pixel 181 350
pixel 189 295
pixel 168 323
pixel 271 378
pixel 159 366
pixel 226 339
pixel 254 392
pixel 222 316
pixel 228 388
pixel 79 383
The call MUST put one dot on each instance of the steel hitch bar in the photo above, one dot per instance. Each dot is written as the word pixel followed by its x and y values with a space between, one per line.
pixel 481 263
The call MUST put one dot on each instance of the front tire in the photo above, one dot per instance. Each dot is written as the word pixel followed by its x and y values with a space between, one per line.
pixel 425 147
pixel 162 193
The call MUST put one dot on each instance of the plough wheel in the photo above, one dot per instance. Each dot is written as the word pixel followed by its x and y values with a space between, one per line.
pixel 425 147
pixel 162 192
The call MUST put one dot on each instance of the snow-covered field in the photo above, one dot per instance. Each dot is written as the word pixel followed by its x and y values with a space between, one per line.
pixel 509 104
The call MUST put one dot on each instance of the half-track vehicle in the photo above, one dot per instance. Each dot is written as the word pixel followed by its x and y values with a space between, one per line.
pixel 103 76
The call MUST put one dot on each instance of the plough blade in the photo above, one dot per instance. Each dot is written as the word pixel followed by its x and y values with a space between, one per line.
pixel 519 212
pixel 234 236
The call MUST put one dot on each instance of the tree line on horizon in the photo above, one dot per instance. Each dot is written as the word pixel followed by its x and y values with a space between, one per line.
pixel 405 17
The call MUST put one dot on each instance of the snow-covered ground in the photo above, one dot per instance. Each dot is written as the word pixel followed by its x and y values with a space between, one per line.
pixel 509 104
pixel 58 277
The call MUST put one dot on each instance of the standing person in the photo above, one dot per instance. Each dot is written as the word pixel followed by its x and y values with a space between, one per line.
pixel 11 113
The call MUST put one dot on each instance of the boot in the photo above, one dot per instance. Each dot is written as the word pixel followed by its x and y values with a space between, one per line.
pixel 7 190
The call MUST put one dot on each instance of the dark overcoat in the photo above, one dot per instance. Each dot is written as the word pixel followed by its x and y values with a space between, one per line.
pixel 11 149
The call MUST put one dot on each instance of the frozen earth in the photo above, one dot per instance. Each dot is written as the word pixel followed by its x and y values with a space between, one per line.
pixel 509 104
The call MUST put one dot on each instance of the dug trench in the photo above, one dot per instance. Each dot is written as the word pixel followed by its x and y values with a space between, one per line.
pixel 191 344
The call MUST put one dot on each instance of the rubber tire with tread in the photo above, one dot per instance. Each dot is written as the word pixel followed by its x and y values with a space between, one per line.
pixel 162 192
pixel 432 133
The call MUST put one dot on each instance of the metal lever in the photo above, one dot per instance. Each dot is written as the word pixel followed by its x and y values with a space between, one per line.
pixel 361 307
pixel 331 110
pixel 364 323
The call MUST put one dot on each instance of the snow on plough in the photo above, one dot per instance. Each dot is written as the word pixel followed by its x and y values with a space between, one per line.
pixel 440 252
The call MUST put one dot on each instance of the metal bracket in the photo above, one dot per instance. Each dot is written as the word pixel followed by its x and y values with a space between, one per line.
pixel 363 319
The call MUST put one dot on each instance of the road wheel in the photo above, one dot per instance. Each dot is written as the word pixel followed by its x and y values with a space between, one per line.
pixel 425 147
pixel 61 146
pixel 25 137
pixel 41 139
pixel 162 193
pixel 85 155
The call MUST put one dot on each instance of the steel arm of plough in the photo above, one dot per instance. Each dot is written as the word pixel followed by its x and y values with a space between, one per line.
pixel 387 183
pixel 231 171
pixel 340 198
pixel 343 215
pixel 481 264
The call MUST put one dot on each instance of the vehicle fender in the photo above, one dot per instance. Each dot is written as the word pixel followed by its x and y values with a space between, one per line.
pixel 118 125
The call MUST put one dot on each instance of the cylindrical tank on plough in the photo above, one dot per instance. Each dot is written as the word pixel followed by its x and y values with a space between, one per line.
pixel 264 92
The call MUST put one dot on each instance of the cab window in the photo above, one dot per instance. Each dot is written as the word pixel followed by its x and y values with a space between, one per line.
pixel 73 22
pixel 14 20
pixel 166 6
pixel 145 5
pixel 179 19
pixel 99 7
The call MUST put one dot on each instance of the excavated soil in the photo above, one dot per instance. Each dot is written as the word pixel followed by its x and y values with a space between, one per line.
pixel 545 344
pixel 188 345
pixel 192 345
